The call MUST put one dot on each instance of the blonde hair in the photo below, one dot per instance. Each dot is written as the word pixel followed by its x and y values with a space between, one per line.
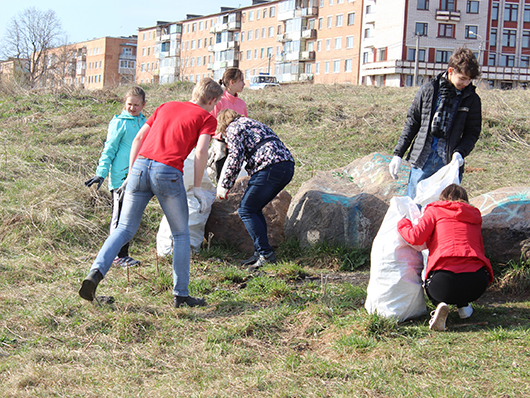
pixel 224 118
pixel 135 92
pixel 206 90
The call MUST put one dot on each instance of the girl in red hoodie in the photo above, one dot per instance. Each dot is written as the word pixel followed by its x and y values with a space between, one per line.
pixel 457 271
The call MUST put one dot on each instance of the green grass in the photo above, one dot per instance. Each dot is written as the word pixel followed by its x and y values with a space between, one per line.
pixel 296 329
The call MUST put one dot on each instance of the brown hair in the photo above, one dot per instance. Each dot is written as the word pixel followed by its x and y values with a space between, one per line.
pixel 232 74
pixel 206 90
pixel 464 61
pixel 224 118
pixel 136 92
pixel 454 193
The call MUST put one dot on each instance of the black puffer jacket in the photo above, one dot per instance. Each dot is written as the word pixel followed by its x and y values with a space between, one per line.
pixel 463 133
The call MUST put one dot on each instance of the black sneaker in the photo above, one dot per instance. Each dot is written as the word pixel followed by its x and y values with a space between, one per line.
pixel 189 301
pixel 251 260
pixel 262 260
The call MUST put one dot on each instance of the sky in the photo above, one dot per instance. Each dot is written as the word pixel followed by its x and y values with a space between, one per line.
pixel 86 20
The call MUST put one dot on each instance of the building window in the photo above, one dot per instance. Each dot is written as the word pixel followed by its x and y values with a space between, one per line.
pixel 255 53
pixel 442 56
pixel 264 13
pixel 447 5
pixel 330 22
pixel 257 34
pixel 471 32
pixel 423 4
pixel 348 65
pixel 242 37
pixel 495 12
pixel 526 14
pixel 249 35
pixel 349 41
pixel 328 44
pixel 249 55
pixel 409 80
pixel 258 14
pixel 472 7
pixel 365 57
pixel 336 66
pixel 421 28
pixel 411 55
pixel 510 12
pixel 250 16
pixel 493 37
pixel 273 12
pixel 317 68
pixel 367 33
pixel 445 30
pixel 382 54
pixel 351 18
pixel 508 37
pixel 319 45
pixel 263 33
pixel 369 9
pixel 508 60
pixel 262 53
pixel 525 61
pixel 491 60
pixel 526 39
pixel 326 67
pixel 338 20
pixel 338 43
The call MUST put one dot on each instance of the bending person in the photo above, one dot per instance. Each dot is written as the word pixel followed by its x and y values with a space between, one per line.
pixel 160 148
pixel 270 166
pixel 458 271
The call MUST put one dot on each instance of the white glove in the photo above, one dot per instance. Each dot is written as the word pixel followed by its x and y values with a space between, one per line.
pixel 222 192
pixel 458 157
pixel 121 190
pixel 394 166
pixel 200 195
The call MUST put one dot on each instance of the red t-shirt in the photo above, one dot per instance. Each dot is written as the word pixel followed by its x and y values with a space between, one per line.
pixel 174 130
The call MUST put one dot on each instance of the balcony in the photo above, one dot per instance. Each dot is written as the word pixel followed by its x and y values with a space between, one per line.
pixel 285 15
pixel 288 36
pixel 310 12
pixel 128 57
pixel 209 66
pixel 166 37
pixel 309 34
pixel 227 45
pixel 235 25
pixel 442 15
pixel 126 71
pixel 307 56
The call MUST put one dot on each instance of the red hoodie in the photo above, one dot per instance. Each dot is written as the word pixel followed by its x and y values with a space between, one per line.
pixel 452 231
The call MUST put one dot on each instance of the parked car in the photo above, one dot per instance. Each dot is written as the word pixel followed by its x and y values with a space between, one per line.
pixel 263 80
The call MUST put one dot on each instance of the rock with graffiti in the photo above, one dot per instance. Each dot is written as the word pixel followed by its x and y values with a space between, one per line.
pixel 347 205
pixel 505 221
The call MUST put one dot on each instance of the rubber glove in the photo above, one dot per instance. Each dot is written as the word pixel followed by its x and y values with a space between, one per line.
pixel 458 157
pixel 121 190
pixel 394 166
pixel 95 180
pixel 200 194
pixel 222 192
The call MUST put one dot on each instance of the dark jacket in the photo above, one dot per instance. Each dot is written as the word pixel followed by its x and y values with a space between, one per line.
pixel 463 132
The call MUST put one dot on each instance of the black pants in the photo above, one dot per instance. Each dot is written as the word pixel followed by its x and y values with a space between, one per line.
pixel 459 289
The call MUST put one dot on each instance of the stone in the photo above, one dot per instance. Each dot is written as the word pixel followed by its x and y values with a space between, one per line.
pixel 505 221
pixel 346 205
pixel 227 227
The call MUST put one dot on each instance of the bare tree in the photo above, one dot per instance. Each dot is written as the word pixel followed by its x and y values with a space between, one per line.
pixel 28 38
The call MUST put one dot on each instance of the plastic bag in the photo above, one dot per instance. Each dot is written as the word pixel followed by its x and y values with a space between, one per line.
pixel 429 190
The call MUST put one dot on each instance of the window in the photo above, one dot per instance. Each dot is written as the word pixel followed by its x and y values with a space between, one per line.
pixel 328 44
pixel 525 61
pixel 447 5
pixel 317 68
pixel 273 12
pixel 348 65
pixel 351 18
pixel 368 9
pixel 279 29
pixel 526 39
pixel 526 14
pixel 365 57
pixel 263 33
pixel 250 16
pixel 367 33
pixel 491 60
pixel 258 12
pixel 330 22
pixel 249 35
pixel 471 32
pixel 349 41
pixel 510 12
pixel 326 67
pixel 472 7
pixel 257 34
pixel 262 53
pixel 264 13
pixel 194 27
pixel 242 36
pixel 493 37
pixel 308 68
pixel 336 66
pixel 495 12
pixel 338 21
pixel 508 38
pixel 423 4
pixel 319 45
pixel 507 60
pixel 445 30
pixel 421 28
pixel 320 23
pixel 409 80
pixel 338 43
pixel 381 54
pixel 271 31
pixel 256 53
pixel 330 2
pixel 442 56
pixel 249 55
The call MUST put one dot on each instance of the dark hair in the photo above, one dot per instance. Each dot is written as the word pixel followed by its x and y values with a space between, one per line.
pixel 137 92
pixel 464 61
pixel 454 193
pixel 231 74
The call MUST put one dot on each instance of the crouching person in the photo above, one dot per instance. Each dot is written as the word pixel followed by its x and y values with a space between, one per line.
pixel 457 271
pixel 156 163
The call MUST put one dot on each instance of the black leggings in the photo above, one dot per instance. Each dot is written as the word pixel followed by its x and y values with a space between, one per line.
pixel 459 289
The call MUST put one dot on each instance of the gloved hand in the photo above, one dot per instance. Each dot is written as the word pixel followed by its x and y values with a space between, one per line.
pixel 96 179
pixel 458 157
pixel 222 192
pixel 121 190
pixel 200 194
pixel 394 166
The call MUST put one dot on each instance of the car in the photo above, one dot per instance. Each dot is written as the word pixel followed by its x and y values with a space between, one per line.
pixel 263 80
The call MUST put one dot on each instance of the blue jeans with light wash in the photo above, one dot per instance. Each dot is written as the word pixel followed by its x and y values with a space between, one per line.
pixel 149 178
pixel 263 187
pixel 432 165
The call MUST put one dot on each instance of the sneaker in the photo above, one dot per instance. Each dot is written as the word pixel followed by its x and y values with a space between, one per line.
pixel 262 260
pixel 178 301
pixel 126 261
pixel 465 312
pixel 251 260
pixel 438 317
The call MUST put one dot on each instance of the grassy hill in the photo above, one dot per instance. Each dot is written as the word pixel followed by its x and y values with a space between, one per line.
pixel 297 330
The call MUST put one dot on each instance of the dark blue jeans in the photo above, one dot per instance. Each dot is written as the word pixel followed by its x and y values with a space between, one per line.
pixel 262 188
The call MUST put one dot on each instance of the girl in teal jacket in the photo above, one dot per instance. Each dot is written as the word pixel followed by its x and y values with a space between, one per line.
pixel 114 159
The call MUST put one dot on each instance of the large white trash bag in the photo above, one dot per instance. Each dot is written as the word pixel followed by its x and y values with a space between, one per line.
pixel 395 287
pixel 197 221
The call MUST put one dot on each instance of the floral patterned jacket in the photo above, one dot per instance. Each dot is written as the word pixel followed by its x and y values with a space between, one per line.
pixel 244 138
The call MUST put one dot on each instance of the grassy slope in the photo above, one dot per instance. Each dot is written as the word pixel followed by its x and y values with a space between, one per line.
pixel 266 336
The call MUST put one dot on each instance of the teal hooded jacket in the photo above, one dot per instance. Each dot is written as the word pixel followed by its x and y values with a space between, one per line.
pixel 114 159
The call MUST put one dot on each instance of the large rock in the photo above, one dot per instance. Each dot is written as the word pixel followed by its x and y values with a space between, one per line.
pixel 345 205
pixel 505 221
pixel 227 227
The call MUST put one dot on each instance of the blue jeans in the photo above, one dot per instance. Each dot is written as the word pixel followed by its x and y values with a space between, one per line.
pixel 432 165
pixel 148 178
pixel 263 187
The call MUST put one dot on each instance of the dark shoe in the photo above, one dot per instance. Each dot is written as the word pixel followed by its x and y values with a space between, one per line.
pixel 262 260
pixel 189 301
pixel 251 260
pixel 88 288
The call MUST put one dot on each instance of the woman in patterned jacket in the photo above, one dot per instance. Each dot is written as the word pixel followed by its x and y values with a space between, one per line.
pixel 270 166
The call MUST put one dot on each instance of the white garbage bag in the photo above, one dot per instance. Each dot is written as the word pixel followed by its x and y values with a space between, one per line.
pixel 395 287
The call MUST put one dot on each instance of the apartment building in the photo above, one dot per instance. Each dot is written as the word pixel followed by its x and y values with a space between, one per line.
pixel 93 64
pixel 196 50
pixel 337 43
pixel 13 68
pixel 147 65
